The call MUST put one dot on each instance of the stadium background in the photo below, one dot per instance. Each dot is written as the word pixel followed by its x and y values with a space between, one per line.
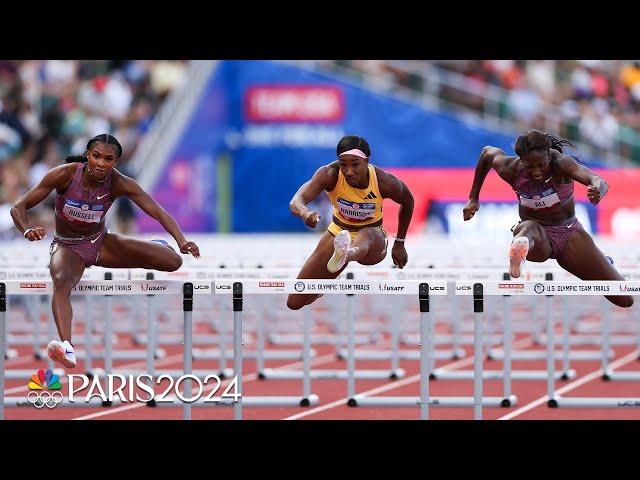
pixel 244 135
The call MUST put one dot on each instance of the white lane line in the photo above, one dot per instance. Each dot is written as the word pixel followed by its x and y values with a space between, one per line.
pixel 466 361
pixel 571 386
pixel 245 379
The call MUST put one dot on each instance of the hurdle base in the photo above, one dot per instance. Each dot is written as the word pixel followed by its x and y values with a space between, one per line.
pixel 443 374
pixel 579 355
pixel 612 375
pixel 10 354
pixel 24 374
pixel 593 402
pixel 255 401
pixel 270 373
pixel 214 354
pixel 444 402
pixel 402 354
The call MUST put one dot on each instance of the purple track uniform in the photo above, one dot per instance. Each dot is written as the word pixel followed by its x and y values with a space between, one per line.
pixel 79 206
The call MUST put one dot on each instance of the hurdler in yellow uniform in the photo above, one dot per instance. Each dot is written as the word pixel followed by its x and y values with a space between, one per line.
pixel 356 190
pixel 355 208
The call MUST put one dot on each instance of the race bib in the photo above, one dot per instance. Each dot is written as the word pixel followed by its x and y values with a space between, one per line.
pixel 545 199
pixel 354 211
pixel 79 212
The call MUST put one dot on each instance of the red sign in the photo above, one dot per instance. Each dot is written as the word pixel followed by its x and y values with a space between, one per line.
pixel 270 284
pixel 294 103
pixel 620 205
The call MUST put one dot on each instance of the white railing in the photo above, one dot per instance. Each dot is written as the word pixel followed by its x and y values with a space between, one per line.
pixel 156 146
pixel 435 78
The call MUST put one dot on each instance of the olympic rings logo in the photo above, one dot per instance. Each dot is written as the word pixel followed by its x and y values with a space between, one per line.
pixel 44 399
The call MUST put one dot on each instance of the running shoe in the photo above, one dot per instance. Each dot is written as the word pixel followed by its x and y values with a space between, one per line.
pixel 341 244
pixel 162 241
pixel 517 255
pixel 62 352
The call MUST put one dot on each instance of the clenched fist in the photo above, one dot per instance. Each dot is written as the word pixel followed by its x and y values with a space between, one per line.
pixel 470 209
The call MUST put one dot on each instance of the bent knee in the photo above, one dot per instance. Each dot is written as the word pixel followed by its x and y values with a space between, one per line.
pixel 62 282
pixel 294 303
pixel 625 302
pixel 174 263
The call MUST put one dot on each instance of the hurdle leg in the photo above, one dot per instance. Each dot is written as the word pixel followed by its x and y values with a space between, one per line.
pixel 478 309
pixel 551 364
pixel 222 338
pixel 237 347
pixel 506 365
pixel 88 335
pixel 151 337
pixel 565 338
pixel 455 325
pixel 306 358
pixel 425 348
pixel 35 301
pixel 108 334
pixel 351 360
pixel 187 351
pixel 50 330
pixel 395 337
pixel 260 334
pixel 606 336
pixel 3 335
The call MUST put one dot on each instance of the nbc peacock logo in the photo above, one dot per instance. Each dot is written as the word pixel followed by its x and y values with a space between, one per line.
pixel 45 389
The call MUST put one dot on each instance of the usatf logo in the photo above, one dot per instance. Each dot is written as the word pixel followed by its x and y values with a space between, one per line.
pixel 538 288
pixel 299 287
pixel 627 288
pixel 153 288
pixel 40 385
pixel 390 288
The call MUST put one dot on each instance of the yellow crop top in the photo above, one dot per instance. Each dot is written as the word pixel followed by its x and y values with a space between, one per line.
pixel 355 206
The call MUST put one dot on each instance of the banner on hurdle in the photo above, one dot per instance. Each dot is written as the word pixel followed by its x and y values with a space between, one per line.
pixel 324 286
pixel 108 287
pixel 514 287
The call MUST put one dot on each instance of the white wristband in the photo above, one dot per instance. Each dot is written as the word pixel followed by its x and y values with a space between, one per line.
pixel 401 240
pixel 27 231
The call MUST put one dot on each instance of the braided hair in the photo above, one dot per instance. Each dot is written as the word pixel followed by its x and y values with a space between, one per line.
pixel 104 138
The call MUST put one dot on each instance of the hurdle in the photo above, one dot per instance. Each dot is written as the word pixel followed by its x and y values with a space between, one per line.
pixel 282 374
pixel 507 355
pixel 572 288
pixel 101 288
pixel 305 286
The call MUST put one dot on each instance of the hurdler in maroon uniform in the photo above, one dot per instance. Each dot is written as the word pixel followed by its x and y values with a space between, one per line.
pixel 542 177
pixel 86 187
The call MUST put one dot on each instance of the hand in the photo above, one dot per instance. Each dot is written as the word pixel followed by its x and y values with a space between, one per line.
pixel 470 209
pixel 35 233
pixel 399 254
pixel 593 194
pixel 190 247
pixel 311 218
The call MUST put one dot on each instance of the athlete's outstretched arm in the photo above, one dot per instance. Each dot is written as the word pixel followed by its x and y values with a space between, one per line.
pixel 490 157
pixel 395 189
pixel 129 187
pixel 598 187
pixel 325 178
pixel 54 178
